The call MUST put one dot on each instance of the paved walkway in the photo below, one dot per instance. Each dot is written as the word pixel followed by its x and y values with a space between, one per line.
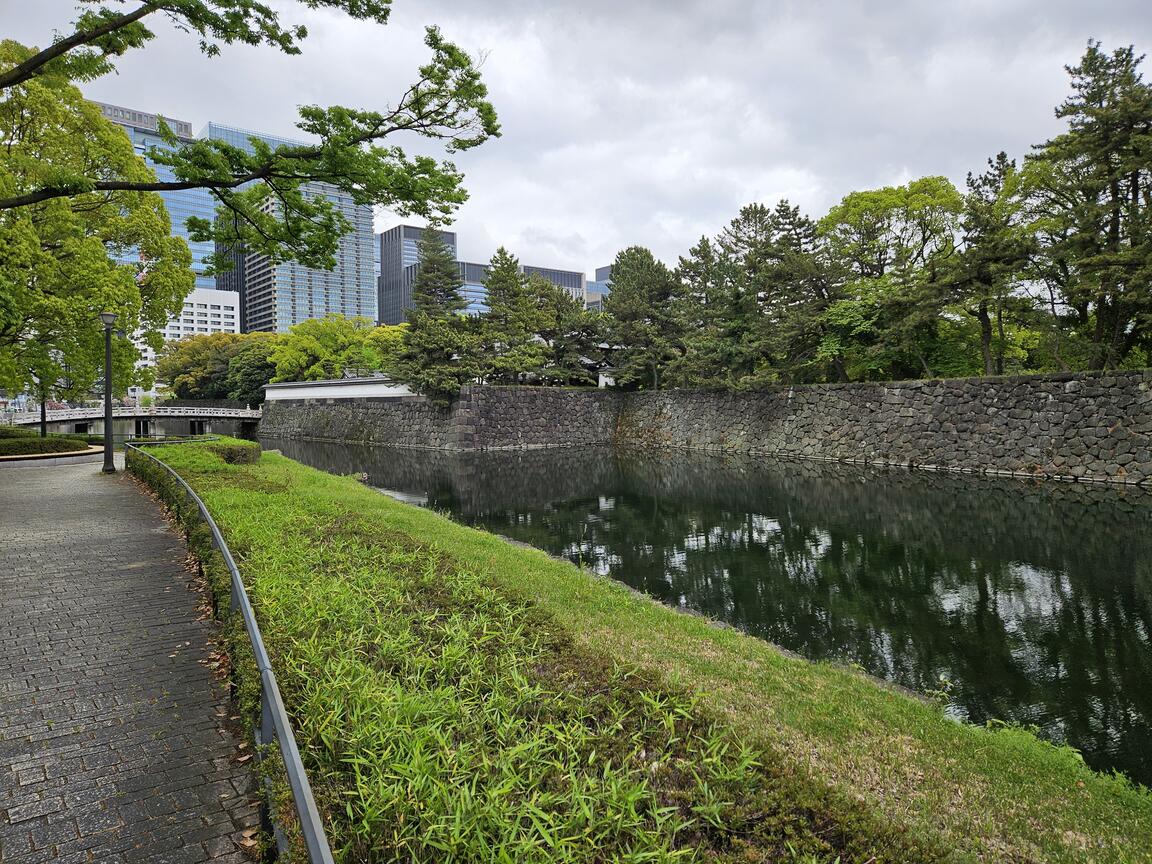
pixel 113 746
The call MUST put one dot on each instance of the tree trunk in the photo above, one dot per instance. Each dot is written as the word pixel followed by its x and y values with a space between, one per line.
pixel 43 416
pixel 1000 336
pixel 985 336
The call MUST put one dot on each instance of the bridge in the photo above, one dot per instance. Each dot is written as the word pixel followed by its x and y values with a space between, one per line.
pixel 30 418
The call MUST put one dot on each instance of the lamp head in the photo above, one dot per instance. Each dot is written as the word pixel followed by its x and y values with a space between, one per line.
pixel 109 318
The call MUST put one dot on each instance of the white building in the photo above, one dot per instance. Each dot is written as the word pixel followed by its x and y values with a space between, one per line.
pixel 206 310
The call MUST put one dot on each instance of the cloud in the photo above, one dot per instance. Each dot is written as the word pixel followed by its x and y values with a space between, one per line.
pixel 652 122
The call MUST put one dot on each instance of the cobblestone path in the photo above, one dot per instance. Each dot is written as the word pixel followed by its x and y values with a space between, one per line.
pixel 113 743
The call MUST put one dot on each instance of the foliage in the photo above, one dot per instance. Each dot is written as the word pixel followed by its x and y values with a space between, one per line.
pixel 250 367
pixel 441 350
pixel 65 260
pixel 196 367
pixel 318 349
pixel 28 445
pixel 571 335
pixel 516 313
pixel 262 190
pixel 642 326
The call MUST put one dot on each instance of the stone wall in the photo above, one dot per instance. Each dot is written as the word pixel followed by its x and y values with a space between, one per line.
pixel 1074 426
pixel 1081 426
pixel 483 418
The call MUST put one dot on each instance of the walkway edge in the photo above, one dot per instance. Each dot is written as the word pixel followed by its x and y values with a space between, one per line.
pixel 274 719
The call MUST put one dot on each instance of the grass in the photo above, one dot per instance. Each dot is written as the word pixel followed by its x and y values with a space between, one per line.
pixel 460 697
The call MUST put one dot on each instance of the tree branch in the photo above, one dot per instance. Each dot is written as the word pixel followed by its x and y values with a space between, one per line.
pixel 31 67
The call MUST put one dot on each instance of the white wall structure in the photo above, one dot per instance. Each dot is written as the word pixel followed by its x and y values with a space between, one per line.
pixel 206 310
pixel 347 388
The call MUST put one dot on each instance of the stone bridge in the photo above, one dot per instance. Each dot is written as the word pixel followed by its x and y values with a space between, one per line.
pixel 138 422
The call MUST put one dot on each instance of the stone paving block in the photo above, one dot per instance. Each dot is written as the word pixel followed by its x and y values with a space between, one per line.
pixel 110 745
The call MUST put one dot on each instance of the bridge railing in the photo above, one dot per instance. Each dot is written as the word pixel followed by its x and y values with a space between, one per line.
pixel 275 726
pixel 29 417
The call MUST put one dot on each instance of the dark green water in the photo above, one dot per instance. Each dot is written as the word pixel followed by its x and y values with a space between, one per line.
pixel 1033 600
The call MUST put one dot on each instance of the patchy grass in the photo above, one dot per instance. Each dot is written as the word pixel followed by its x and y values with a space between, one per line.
pixel 460 697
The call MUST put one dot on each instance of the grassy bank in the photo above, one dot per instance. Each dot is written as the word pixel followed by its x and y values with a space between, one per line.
pixel 459 697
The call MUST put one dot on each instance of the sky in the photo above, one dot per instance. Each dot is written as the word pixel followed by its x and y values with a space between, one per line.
pixel 651 122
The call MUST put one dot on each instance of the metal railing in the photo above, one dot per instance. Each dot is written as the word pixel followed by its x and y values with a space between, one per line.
pixel 57 414
pixel 274 722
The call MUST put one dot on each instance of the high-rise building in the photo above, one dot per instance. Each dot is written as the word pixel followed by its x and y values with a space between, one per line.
pixel 597 289
pixel 398 256
pixel 275 295
pixel 206 310
pixel 144 131
pixel 400 259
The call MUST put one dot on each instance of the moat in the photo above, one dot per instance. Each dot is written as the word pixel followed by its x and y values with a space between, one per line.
pixel 1018 602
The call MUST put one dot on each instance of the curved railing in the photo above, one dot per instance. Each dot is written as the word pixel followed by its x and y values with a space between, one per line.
pixel 57 414
pixel 274 722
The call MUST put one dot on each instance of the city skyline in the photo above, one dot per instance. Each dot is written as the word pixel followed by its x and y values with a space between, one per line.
pixel 654 129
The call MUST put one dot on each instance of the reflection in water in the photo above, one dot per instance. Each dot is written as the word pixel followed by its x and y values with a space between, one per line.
pixel 1035 601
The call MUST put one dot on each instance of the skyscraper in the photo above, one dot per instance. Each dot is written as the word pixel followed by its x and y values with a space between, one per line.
pixel 143 130
pixel 274 296
pixel 399 261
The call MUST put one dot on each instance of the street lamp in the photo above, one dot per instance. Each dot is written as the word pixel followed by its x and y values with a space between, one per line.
pixel 109 319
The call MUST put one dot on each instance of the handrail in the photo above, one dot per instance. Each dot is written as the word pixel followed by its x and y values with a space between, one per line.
pixel 55 415
pixel 273 716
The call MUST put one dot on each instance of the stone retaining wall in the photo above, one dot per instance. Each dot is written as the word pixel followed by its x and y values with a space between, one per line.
pixel 1074 426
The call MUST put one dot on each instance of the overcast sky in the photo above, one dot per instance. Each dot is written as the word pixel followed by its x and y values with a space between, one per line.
pixel 650 122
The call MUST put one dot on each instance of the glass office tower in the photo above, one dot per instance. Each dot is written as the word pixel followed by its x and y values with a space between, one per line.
pixel 400 260
pixel 143 130
pixel 274 296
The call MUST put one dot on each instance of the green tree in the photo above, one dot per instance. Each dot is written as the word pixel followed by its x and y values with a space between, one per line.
pixel 197 367
pixel 643 324
pixel 892 244
pixel 251 367
pixel 261 192
pixel 387 341
pixel 996 245
pixel 714 310
pixel 441 345
pixel 511 350
pixel 1091 189
pixel 323 348
pixel 65 260
pixel 571 336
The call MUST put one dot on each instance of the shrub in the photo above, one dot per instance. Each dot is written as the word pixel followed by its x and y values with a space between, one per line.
pixel 27 445
pixel 238 452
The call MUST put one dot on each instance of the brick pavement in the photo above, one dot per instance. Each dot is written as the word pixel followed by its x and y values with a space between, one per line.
pixel 114 738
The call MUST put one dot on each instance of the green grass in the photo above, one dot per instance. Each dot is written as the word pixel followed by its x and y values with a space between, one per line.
pixel 459 697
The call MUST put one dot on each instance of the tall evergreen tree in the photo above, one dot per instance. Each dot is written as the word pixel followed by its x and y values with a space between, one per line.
pixel 1093 190
pixel 512 349
pixel 571 335
pixel 996 244
pixel 643 323
pixel 441 345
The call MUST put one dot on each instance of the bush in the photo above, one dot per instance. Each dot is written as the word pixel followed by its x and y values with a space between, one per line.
pixel 238 452
pixel 26 445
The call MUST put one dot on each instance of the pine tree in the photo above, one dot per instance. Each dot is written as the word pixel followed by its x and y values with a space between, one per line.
pixel 512 349
pixel 441 345
pixel 571 334
pixel 643 320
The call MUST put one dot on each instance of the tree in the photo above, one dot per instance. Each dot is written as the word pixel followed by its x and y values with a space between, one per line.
pixel 642 323
pixel 196 367
pixel 387 341
pixel 714 309
pixel 570 335
pixel 511 348
pixel 251 367
pixel 261 192
pixel 441 346
pixel 996 244
pixel 65 260
pixel 892 243
pixel 322 348
pixel 1091 188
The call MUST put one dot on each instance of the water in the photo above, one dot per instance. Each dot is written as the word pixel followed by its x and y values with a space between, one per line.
pixel 1034 600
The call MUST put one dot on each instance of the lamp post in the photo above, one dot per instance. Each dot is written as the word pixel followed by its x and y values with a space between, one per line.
pixel 109 319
